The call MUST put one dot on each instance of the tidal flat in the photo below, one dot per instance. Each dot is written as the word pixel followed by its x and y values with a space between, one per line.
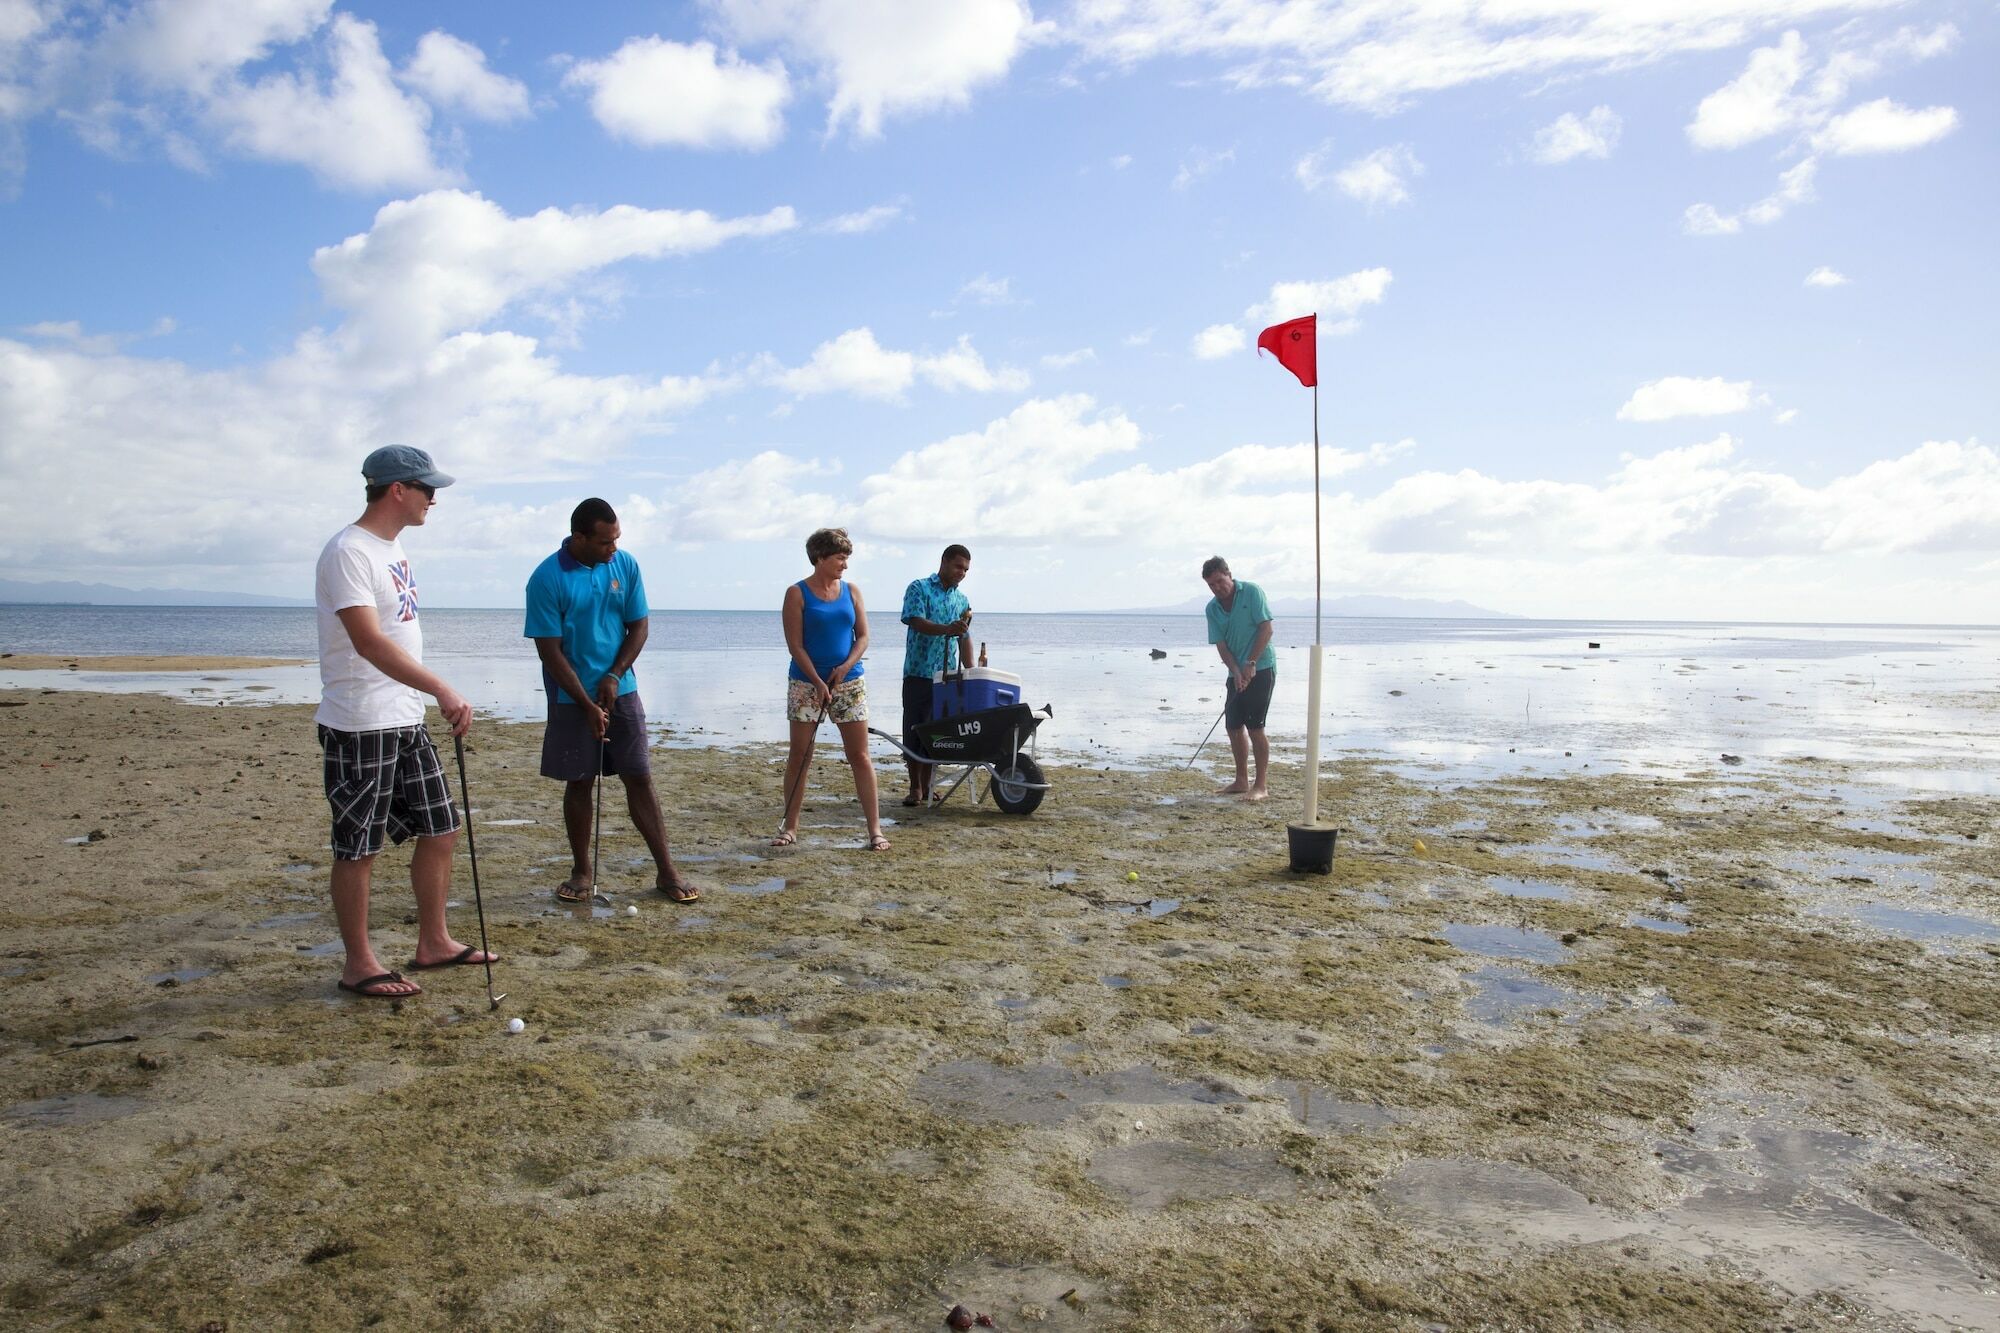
pixel 1686 1051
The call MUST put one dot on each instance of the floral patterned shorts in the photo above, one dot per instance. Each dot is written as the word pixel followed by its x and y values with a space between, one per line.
pixel 850 702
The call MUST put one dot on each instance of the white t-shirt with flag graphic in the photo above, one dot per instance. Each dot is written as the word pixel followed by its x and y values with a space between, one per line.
pixel 357 568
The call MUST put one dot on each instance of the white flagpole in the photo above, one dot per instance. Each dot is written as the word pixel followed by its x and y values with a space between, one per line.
pixel 1312 681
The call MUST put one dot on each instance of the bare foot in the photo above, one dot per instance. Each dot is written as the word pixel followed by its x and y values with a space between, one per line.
pixel 1257 794
pixel 1236 788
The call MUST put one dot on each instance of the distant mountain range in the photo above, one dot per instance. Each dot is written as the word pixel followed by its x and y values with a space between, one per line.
pixel 1358 604
pixel 19 592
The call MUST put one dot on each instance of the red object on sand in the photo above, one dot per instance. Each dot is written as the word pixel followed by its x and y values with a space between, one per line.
pixel 1296 345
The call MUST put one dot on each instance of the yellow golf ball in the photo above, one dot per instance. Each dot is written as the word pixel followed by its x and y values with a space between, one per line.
pixel 1131 877
pixel 1420 848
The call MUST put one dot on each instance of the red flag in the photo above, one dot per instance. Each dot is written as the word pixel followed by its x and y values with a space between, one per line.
pixel 1296 345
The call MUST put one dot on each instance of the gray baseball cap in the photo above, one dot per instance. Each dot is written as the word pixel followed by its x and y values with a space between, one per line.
pixel 402 462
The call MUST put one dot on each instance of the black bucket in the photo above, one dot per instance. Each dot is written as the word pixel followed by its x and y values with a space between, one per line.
pixel 1312 848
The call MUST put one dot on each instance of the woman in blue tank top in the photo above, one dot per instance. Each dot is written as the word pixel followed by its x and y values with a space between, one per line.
pixel 826 629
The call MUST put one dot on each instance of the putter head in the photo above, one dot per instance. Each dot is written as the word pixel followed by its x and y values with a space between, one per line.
pixel 493 1001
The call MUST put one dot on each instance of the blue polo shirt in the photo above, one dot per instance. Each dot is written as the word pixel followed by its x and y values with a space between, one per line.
pixel 588 608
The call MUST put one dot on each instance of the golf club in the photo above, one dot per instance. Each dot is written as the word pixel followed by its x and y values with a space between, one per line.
pixel 1205 739
pixel 597 822
pixel 472 850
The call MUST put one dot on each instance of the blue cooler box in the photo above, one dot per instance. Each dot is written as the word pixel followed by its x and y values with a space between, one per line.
pixel 979 689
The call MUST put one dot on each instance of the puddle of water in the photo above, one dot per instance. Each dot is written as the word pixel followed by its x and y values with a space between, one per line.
pixel 1115 982
pixel 762 886
pixel 71 1108
pixel 1166 800
pixel 1663 925
pixel 1154 1173
pixel 1528 888
pixel 1768 1193
pixel 1314 1106
pixel 506 823
pixel 296 867
pixel 180 976
pixel 859 981
pixel 1061 877
pixel 886 905
pixel 1151 907
pixel 1599 822
pixel 1501 995
pixel 1914 923
pixel 1567 854
pixel 1049 1094
pixel 1374 899
pixel 1505 942
pixel 1013 1002
pixel 285 919
pixel 326 950
pixel 590 911
pixel 692 922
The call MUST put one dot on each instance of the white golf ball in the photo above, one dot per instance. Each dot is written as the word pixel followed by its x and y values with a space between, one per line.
pixel 632 910
pixel 516 1025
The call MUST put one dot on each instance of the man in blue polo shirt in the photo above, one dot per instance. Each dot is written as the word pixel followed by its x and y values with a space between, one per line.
pixel 939 639
pixel 1239 625
pixel 587 614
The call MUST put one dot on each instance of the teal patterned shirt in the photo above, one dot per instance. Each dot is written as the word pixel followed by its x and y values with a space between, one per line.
pixel 927 654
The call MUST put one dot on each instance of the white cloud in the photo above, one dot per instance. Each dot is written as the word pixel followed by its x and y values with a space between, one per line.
pixel 856 363
pixel 868 219
pixel 1122 161
pixel 1139 339
pixel 1380 57
pixel 1757 103
pixel 1786 417
pixel 988 290
pixel 887 57
pixel 1825 277
pixel 450 260
pixel 1217 341
pixel 1201 162
pixel 1380 179
pixel 354 129
pixel 1783 90
pixel 765 497
pixel 1795 186
pixel 1340 297
pixel 1681 396
pixel 1313 171
pixel 190 44
pixel 1883 126
pixel 1068 360
pixel 453 75
pixel 1570 136
pixel 658 93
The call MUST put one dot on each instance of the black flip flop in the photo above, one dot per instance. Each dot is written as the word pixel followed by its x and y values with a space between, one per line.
pixel 361 987
pixel 463 958
pixel 571 892
pixel 680 891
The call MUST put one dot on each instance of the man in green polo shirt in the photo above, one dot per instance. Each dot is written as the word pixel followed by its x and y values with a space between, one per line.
pixel 1239 625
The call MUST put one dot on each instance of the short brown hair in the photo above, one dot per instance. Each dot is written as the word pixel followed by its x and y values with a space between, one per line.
pixel 1215 564
pixel 826 542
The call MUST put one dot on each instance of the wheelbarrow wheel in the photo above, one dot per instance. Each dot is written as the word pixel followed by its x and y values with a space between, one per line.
pixel 1011 791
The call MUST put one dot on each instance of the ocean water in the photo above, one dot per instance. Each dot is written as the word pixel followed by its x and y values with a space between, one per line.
pixel 1469 697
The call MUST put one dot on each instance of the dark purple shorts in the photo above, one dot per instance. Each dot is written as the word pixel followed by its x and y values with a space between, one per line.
pixel 570 752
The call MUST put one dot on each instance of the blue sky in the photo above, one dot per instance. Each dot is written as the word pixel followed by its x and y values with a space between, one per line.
pixel 1625 313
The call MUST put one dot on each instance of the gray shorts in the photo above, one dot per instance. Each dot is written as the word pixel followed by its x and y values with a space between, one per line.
pixel 570 750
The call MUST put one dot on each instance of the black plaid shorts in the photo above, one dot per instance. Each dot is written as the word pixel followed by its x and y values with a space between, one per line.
pixel 384 784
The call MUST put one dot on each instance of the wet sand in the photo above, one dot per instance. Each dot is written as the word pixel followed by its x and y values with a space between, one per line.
pixel 59 662
pixel 1602 1052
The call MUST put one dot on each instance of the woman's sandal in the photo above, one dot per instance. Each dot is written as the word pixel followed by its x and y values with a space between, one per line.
pixel 878 843
pixel 786 837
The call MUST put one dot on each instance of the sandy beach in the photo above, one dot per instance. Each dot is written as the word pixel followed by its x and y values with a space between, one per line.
pixel 1547 1052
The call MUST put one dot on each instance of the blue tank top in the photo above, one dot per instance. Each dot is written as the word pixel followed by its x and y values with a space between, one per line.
pixel 829 632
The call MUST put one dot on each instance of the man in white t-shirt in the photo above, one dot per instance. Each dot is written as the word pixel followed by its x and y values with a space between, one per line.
pixel 384 780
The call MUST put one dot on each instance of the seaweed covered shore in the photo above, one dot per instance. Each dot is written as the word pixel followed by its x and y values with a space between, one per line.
pixel 1577 1051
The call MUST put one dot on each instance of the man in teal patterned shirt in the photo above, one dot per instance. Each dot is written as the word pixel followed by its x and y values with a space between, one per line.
pixel 939 639
pixel 1239 625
